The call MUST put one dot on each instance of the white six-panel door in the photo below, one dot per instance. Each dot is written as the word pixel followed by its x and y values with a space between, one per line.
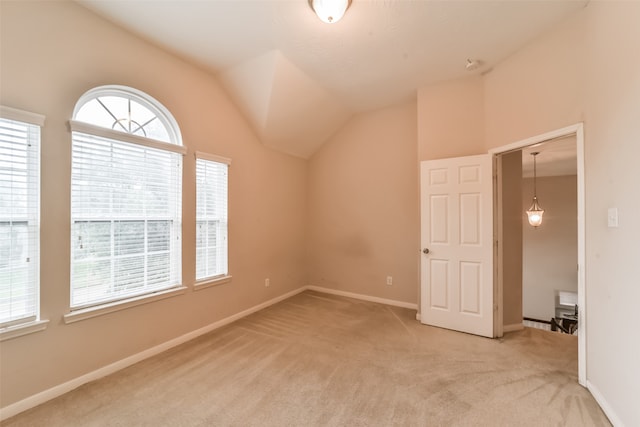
pixel 457 242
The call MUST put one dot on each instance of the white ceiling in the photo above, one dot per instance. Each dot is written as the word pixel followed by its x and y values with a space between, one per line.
pixel 557 157
pixel 298 80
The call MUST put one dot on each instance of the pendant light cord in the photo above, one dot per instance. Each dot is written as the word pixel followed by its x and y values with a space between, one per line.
pixel 535 192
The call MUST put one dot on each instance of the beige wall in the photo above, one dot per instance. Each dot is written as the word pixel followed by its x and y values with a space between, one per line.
pixel 550 252
pixel 451 119
pixel 612 120
pixel 539 88
pixel 511 238
pixel 364 207
pixel 583 70
pixel 51 53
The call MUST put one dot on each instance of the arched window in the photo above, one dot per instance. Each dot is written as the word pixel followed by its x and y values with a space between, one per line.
pixel 126 193
pixel 129 111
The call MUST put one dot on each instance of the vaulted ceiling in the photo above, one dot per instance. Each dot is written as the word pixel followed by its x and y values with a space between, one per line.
pixel 298 80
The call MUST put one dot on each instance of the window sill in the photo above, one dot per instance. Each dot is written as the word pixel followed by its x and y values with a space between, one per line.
pixel 212 281
pixel 88 313
pixel 23 329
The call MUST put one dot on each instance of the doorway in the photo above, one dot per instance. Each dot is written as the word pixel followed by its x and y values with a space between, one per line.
pixel 501 256
pixel 549 285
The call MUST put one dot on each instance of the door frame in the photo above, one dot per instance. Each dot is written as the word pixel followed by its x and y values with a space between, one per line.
pixel 577 130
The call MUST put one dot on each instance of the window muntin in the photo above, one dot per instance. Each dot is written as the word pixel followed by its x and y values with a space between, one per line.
pixel 128 111
pixel 211 216
pixel 125 214
pixel 19 216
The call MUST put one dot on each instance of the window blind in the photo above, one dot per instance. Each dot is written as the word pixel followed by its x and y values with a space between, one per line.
pixel 211 217
pixel 19 221
pixel 125 220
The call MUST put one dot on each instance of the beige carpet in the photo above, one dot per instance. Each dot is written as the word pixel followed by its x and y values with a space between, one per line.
pixel 320 360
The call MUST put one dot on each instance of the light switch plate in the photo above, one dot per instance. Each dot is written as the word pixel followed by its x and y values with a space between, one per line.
pixel 612 217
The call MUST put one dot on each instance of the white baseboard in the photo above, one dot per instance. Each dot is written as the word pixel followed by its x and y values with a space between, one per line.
pixel 513 328
pixel 606 408
pixel 60 389
pixel 363 297
pixel 53 392
pixel 506 328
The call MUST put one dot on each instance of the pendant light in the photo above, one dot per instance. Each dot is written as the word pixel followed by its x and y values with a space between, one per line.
pixel 534 213
pixel 330 11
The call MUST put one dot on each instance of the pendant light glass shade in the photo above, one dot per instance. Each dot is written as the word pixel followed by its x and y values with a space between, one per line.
pixel 534 213
pixel 330 11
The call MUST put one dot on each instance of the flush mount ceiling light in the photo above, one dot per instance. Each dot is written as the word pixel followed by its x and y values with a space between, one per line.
pixel 330 11
pixel 534 213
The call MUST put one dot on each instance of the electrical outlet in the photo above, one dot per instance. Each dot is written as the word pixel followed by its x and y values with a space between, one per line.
pixel 267 282
pixel 389 280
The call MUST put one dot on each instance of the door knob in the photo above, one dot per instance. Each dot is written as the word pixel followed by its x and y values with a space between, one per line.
pixel 425 250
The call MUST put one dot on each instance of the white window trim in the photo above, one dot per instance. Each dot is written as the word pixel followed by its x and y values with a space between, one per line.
pixel 21 329
pixel 21 116
pixel 86 128
pixel 212 281
pixel 111 307
pixel 212 157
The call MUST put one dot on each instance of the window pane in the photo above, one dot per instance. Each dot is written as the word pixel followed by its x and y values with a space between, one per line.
pixel 126 113
pixel 128 274
pixel 128 189
pixel 157 267
pixel 19 221
pixel 126 212
pixel 125 200
pixel 128 237
pixel 91 240
pixel 201 262
pixel 211 218
pixel 159 236
pixel 92 281
pixel 118 109
pixel 92 173
pixel 213 233
pixel 93 112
